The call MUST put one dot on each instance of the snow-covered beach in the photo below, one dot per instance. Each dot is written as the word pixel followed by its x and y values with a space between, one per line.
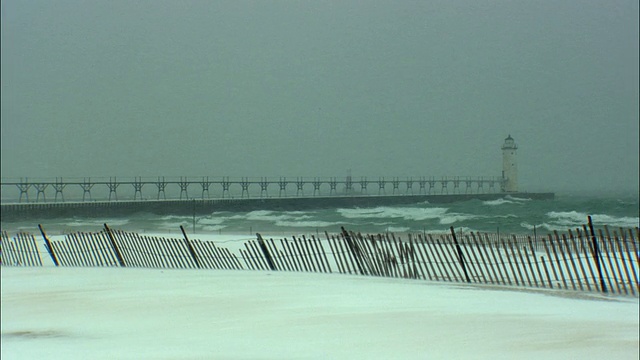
pixel 124 313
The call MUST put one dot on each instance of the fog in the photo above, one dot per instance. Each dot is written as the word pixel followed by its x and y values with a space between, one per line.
pixel 309 88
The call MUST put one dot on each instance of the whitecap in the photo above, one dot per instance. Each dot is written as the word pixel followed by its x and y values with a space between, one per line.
pixel 98 222
pixel 173 217
pixel 416 214
pixel 568 218
pixel 509 197
pixel 464 230
pixel 397 229
pixel 213 227
pixel 506 216
pixel 268 215
pixel 307 224
pixel 211 221
pixel 496 202
pixel 626 221
pixel 573 218
pixel 453 218
pixel 547 226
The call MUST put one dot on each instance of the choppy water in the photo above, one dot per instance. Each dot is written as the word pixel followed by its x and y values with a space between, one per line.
pixel 505 215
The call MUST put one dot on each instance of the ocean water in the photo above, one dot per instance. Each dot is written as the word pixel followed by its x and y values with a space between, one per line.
pixel 505 215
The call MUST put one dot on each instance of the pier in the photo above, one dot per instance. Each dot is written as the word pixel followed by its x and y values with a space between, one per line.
pixel 203 188
pixel 32 199
pixel 28 198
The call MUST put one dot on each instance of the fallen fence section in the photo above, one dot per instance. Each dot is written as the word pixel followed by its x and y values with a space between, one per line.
pixel 603 261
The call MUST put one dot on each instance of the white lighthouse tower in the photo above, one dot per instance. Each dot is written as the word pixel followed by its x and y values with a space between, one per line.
pixel 509 166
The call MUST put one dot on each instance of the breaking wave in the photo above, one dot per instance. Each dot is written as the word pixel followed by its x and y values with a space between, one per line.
pixel 575 218
pixel 441 215
pixel 97 222
pixel 496 202
pixel 383 212
pixel 509 197
pixel 397 229
pixel 506 200
pixel 307 224
pixel 549 227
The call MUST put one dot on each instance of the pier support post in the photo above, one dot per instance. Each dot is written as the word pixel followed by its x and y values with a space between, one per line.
pixel 381 186
pixel 363 185
pixel 300 185
pixel 456 185
pixel 316 186
pixel 59 186
pixel 40 188
pixel 86 186
pixel 184 184
pixel 205 187
pixel 423 184
pixel 468 190
pixel 245 187
pixel 24 189
pixel 282 183
pixel 395 183
pixel 264 185
pixel 161 184
pixel 409 186
pixel 333 184
pixel 225 187
pixel 444 189
pixel 113 185
pixel 480 189
pixel 137 186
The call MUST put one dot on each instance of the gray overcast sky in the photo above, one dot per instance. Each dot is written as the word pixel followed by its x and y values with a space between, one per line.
pixel 313 88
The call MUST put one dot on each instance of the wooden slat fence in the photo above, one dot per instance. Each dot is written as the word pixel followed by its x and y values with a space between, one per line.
pixel 120 248
pixel 605 261
pixel 20 250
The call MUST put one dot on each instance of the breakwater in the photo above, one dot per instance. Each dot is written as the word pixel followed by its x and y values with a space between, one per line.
pixel 25 211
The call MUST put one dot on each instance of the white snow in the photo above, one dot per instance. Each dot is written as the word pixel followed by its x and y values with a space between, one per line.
pixel 125 313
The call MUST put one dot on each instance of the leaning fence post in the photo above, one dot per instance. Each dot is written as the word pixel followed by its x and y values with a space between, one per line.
pixel 460 255
pixel 596 255
pixel 115 247
pixel 191 250
pixel 267 255
pixel 48 246
pixel 355 251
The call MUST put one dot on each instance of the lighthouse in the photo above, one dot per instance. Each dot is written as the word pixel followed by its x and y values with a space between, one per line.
pixel 509 166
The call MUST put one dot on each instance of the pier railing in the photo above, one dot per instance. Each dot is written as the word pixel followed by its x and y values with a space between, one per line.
pixel 582 259
pixel 163 188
